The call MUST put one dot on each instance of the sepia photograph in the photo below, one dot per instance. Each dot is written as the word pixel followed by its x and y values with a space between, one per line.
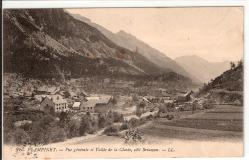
pixel 123 82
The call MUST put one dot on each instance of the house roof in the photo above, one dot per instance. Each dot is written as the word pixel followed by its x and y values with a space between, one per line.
pixel 92 101
pixel 146 100
pixel 57 99
pixel 83 92
pixel 51 90
pixel 146 114
pixel 127 118
pixel 104 99
pixel 89 103
pixel 168 101
pixel 186 94
pixel 76 105
pixel 92 98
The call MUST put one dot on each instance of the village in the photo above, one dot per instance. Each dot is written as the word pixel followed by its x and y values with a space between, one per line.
pixel 112 111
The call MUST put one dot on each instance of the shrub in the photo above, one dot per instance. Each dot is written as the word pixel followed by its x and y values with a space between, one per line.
pixel 117 117
pixel 20 136
pixel 111 131
pixel 93 127
pixel 83 127
pixel 39 134
pixel 57 134
pixel 109 118
pixel 73 129
pixel 64 119
pixel 115 100
pixel 134 122
pixel 124 126
pixel 135 98
pixel 162 109
pixel 207 104
pixel 101 121
pixel 170 117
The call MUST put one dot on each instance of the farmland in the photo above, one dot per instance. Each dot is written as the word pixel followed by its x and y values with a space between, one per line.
pixel 221 122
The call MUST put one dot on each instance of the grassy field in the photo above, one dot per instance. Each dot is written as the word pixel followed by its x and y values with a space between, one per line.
pixel 222 122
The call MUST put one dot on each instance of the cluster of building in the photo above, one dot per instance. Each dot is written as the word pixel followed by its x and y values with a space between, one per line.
pixel 59 101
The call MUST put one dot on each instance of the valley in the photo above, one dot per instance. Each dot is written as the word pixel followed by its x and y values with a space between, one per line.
pixel 69 81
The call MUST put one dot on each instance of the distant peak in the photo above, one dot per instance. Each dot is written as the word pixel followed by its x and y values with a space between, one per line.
pixel 193 56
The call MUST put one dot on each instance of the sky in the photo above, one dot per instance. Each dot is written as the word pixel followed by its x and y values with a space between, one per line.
pixel 213 33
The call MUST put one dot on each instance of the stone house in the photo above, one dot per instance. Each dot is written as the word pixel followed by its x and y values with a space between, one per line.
pixel 54 102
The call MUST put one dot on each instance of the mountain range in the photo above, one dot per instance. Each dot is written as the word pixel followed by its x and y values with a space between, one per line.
pixel 130 42
pixel 201 68
pixel 50 43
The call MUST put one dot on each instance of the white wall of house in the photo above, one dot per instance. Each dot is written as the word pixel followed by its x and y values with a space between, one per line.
pixel 61 107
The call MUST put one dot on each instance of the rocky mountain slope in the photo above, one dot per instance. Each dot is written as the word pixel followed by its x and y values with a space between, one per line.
pixel 130 42
pixel 48 43
pixel 201 68
pixel 226 88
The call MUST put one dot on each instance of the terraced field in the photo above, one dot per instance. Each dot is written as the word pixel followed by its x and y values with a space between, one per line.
pixel 224 121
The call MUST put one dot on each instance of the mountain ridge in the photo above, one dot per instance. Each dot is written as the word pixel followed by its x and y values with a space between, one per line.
pixel 132 43
pixel 203 69
pixel 48 43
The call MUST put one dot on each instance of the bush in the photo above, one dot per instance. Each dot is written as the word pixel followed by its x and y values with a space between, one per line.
pixel 124 126
pixel 139 112
pixel 39 135
pixel 109 118
pixel 134 122
pixel 115 100
pixel 93 127
pixel 101 121
pixel 162 109
pixel 83 127
pixel 64 119
pixel 207 104
pixel 111 131
pixel 57 134
pixel 20 136
pixel 117 117
pixel 73 129
pixel 170 117
pixel 135 98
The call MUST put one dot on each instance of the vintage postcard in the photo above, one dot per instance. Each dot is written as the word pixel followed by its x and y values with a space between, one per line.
pixel 123 82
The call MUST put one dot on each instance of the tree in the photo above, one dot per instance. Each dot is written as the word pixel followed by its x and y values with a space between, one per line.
pixel 57 134
pixel 240 63
pixel 135 98
pixel 73 129
pixel 83 127
pixel 101 121
pixel 118 117
pixel 109 118
pixel 114 100
pixel 232 65
pixel 64 119
pixel 20 136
